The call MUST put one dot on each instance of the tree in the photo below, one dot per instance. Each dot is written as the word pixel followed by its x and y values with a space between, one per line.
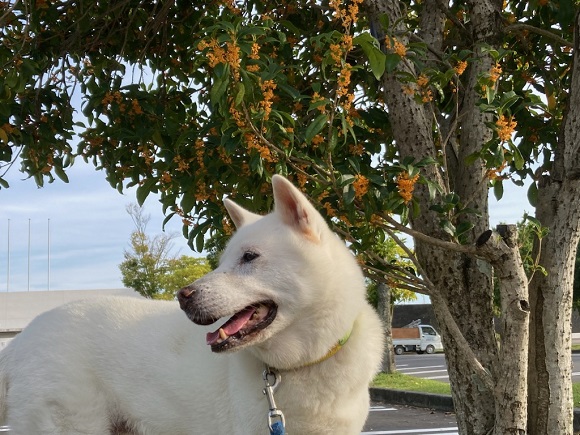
pixel 384 296
pixel 181 272
pixel 394 116
pixel 150 268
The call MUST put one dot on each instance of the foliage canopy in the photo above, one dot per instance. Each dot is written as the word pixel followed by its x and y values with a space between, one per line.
pixel 198 100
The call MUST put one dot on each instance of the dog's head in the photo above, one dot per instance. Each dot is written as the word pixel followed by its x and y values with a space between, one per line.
pixel 285 282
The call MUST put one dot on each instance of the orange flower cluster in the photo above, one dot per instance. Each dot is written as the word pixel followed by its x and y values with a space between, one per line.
pixel 231 5
pixel 348 14
pixel 237 116
pixel 336 53
pixel 199 153
pixel 217 54
pixel 396 46
pixel 135 107
pixel 495 72
pixel 182 164
pixel 253 143
pixel 268 93
pixel 460 67
pixel 315 98
pixel 495 173
pixel 330 212
pixel 255 54
pixel 8 128
pixel 110 97
pixel 224 157
pixel 317 140
pixel 357 149
pixel 425 93
pixel 505 127
pixel 422 80
pixel 406 185
pixel 343 81
pixel 201 193
pixel 165 178
pixel 146 154
pixel 302 179
pixel 360 185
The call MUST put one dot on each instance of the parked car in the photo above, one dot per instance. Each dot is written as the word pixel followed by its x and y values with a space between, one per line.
pixel 420 339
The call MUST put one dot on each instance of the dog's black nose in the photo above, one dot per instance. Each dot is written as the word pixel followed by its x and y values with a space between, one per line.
pixel 184 295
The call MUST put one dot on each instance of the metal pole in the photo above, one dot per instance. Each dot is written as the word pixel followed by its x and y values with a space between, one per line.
pixel 28 271
pixel 8 260
pixel 48 270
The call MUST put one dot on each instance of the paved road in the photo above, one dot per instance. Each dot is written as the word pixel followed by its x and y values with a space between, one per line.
pixel 434 366
pixel 398 420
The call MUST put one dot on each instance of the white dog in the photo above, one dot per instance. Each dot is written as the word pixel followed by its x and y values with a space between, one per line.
pixel 295 300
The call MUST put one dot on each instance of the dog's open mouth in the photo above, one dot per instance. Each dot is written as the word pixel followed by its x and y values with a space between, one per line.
pixel 242 326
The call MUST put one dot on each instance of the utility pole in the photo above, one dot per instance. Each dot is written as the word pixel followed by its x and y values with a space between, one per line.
pixel 8 260
pixel 28 271
pixel 48 247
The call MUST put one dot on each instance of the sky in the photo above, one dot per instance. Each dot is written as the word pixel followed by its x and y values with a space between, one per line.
pixel 85 226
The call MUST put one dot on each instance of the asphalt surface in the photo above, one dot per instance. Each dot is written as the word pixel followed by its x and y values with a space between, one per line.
pixel 385 419
pixel 434 366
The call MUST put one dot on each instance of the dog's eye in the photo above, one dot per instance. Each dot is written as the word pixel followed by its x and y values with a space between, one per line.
pixel 249 256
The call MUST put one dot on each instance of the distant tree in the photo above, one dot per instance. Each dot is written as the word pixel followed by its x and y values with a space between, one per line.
pixel 150 268
pixel 181 272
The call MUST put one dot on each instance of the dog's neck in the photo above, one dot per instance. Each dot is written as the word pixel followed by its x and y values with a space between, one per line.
pixel 333 350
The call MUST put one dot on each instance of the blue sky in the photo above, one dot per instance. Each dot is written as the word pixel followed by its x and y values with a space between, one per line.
pixel 90 229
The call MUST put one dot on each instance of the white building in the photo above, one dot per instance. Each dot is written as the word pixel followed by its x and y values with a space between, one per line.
pixel 17 309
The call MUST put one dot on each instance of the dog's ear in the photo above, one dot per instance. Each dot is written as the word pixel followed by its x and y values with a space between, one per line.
pixel 295 209
pixel 239 215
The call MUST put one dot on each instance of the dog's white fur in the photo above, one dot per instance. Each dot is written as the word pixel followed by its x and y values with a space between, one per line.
pixel 143 366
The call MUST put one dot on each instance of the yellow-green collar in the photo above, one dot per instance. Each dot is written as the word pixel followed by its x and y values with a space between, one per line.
pixel 333 350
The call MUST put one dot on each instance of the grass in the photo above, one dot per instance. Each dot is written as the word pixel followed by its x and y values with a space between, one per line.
pixel 399 381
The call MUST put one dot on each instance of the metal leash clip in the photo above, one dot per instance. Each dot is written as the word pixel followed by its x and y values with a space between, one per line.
pixel 276 421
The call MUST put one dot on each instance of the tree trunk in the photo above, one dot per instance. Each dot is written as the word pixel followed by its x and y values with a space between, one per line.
pixel 385 309
pixel 510 389
pixel 550 381
pixel 463 285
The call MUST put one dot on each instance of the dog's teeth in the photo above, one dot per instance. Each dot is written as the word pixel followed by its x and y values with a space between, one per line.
pixel 223 334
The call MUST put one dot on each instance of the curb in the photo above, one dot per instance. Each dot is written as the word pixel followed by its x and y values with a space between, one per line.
pixel 440 402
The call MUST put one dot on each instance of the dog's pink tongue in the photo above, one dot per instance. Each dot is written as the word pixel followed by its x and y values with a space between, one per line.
pixel 232 326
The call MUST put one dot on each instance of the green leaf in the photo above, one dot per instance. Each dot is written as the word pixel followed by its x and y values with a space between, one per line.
pixel 60 173
pixel 533 194
pixel 144 190
pixel 377 59
pixel 517 155
pixel 240 92
pixel 315 127
pixel 448 227
pixel 348 194
pixel 391 61
pixel 490 93
pixel 187 201
pixel 464 227
pixel 199 242
pixel 219 89
pixel 498 189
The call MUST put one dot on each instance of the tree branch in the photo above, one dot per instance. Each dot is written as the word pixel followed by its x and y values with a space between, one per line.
pixel 519 27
